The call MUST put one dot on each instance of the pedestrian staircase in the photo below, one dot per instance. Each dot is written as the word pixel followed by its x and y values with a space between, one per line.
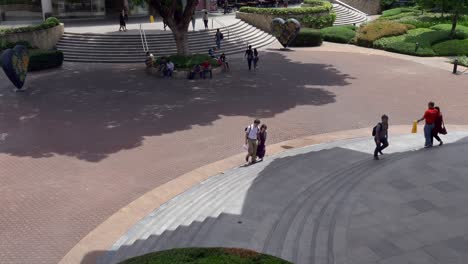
pixel 347 15
pixel 128 48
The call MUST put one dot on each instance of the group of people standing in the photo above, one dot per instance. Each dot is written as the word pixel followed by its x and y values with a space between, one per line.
pixel 255 139
pixel 433 127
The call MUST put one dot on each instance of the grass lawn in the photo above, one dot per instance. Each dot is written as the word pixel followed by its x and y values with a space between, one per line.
pixel 205 256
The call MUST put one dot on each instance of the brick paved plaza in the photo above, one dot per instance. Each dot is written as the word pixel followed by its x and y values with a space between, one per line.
pixel 87 139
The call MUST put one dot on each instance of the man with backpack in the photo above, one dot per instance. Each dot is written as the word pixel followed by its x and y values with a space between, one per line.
pixel 380 133
pixel 218 37
pixel 251 140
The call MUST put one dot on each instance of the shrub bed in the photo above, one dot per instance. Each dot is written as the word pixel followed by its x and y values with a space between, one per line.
pixel 44 59
pixel 406 44
pixel 204 256
pixel 187 62
pixel 286 12
pixel 9 45
pixel 461 31
pixel 49 23
pixel 308 38
pixel 367 34
pixel 463 60
pixel 452 47
pixel 401 11
pixel 339 34
pixel 318 14
pixel 310 3
pixel 318 21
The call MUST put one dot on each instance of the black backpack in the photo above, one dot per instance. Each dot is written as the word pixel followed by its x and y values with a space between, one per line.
pixel 221 36
pixel 374 130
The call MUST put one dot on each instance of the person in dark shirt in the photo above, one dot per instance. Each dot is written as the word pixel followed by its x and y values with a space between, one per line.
pixel 439 127
pixel 250 56
pixel 381 137
pixel 122 18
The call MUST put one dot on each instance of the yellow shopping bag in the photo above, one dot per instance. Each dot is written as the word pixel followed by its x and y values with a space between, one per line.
pixel 151 19
pixel 415 127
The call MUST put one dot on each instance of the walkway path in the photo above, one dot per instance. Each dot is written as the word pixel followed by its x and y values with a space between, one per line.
pixel 133 26
pixel 327 203
pixel 87 139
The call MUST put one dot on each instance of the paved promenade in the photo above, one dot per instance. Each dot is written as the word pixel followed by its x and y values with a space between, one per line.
pixel 326 203
pixel 133 26
pixel 88 139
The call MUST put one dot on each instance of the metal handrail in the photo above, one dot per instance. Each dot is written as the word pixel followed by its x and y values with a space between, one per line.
pixel 229 31
pixel 350 7
pixel 144 41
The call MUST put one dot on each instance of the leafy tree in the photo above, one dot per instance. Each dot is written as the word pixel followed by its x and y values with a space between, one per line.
pixel 177 15
pixel 458 8
pixel 426 4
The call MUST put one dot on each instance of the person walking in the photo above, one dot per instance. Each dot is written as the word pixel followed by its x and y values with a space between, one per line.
pixel 224 62
pixel 255 59
pixel 218 37
pixel 380 133
pixel 251 140
pixel 123 25
pixel 439 127
pixel 285 3
pixel 430 116
pixel 226 6
pixel 193 20
pixel 205 19
pixel 249 54
pixel 262 136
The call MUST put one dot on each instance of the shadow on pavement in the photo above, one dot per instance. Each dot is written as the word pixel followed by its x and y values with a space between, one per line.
pixel 304 218
pixel 89 111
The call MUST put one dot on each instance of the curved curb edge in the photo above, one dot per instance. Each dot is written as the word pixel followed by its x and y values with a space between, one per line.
pixel 107 233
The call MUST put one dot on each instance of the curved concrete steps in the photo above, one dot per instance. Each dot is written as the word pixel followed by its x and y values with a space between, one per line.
pixel 128 48
pixel 347 16
pixel 295 205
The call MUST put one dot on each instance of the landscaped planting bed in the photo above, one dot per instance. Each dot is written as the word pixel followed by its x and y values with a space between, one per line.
pixel 206 256
pixel 367 34
pixel 339 34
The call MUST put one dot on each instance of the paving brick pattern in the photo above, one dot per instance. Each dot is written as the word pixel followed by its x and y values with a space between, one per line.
pixel 86 140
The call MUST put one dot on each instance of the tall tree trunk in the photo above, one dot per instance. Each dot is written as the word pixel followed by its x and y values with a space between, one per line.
pixel 454 23
pixel 180 36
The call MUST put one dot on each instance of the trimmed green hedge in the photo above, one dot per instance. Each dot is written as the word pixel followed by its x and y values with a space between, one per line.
pixel 368 33
pixel 44 59
pixel 205 256
pixel 9 45
pixel 286 12
pixel 308 38
pixel 49 23
pixel 339 34
pixel 313 3
pixel 318 21
pixel 406 44
pixel 186 62
pixel 391 13
pixel 452 47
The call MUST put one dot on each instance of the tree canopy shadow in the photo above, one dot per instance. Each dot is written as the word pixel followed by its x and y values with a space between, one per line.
pixel 298 195
pixel 89 111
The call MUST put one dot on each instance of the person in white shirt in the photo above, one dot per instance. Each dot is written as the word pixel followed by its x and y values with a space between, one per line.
pixel 169 68
pixel 251 140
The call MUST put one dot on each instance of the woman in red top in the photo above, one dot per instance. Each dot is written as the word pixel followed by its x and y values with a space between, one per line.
pixel 438 127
